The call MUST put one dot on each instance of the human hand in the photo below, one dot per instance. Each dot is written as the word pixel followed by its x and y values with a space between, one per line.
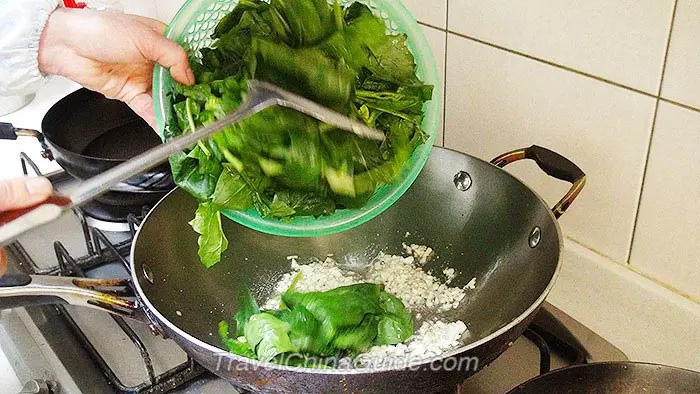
pixel 20 193
pixel 111 53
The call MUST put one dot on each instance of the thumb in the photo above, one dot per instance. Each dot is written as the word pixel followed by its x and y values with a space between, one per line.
pixel 23 192
pixel 142 105
pixel 168 54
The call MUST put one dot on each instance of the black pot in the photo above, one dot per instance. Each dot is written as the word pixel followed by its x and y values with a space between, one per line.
pixel 87 134
pixel 614 377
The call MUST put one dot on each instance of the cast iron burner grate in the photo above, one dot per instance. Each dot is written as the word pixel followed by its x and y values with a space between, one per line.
pixel 101 251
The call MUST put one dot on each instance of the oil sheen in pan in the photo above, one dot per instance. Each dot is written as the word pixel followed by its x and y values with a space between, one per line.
pixel 137 135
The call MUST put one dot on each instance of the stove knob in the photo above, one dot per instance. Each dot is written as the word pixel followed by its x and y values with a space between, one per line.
pixel 36 386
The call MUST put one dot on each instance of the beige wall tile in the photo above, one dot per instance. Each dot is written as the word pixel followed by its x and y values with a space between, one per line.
pixel 141 7
pixel 436 39
pixel 666 240
pixel 644 320
pixel 432 12
pixel 623 40
pixel 167 9
pixel 497 101
pixel 682 76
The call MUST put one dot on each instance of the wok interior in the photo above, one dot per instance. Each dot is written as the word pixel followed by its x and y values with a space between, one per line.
pixel 482 232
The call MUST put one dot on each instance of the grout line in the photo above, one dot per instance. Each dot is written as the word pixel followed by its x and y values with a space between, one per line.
pixel 651 134
pixel 573 70
pixel 444 77
pixel 632 269
pixel 593 250
pixel 432 26
pixel 641 186
pixel 560 66
pixel 686 106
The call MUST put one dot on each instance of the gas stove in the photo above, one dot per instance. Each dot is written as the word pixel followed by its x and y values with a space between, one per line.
pixel 64 349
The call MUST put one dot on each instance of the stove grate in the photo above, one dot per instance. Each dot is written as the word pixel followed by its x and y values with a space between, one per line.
pixel 100 251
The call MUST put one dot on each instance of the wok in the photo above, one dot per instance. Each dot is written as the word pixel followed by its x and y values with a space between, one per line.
pixel 479 219
pixel 87 133
pixel 614 377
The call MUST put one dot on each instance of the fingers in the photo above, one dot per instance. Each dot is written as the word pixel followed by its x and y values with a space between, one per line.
pixel 168 54
pixel 142 104
pixel 156 25
pixel 23 192
pixel 3 261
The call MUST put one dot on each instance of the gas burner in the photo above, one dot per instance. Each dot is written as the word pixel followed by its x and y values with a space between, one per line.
pixel 109 217
pixel 112 227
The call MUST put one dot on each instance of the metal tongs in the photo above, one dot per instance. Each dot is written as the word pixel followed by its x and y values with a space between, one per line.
pixel 261 95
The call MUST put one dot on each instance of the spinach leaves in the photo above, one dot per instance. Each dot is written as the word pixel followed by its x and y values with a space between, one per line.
pixel 282 163
pixel 207 223
pixel 311 327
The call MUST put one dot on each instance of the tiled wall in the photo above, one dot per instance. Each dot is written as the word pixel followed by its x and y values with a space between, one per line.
pixel 612 85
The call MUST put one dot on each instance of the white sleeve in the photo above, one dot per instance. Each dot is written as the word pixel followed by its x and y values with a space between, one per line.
pixel 20 30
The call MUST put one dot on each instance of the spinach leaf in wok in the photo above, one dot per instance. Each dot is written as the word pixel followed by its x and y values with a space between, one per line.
pixel 312 327
pixel 279 162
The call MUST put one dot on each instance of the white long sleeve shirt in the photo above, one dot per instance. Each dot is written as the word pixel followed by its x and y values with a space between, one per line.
pixel 21 24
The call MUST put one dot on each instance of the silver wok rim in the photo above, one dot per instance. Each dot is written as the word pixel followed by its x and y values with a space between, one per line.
pixel 168 325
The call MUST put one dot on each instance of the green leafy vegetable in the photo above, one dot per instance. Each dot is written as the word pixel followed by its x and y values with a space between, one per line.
pixel 280 162
pixel 232 191
pixel 207 222
pixel 360 338
pixel 339 308
pixel 304 330
pixel 234 345
pixel 311 326
pixel 247 308
pixel 396 324
pixel 268 335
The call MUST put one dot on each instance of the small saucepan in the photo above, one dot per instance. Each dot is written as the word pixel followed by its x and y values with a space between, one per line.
pixel 87 133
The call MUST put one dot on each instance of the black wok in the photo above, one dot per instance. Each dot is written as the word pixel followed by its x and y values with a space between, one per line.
pixel 613 377
pixel 479 219
pixel 87 133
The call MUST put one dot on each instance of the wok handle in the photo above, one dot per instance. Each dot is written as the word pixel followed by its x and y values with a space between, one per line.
pixel 20 290
pixel 553 164
pixel 9 132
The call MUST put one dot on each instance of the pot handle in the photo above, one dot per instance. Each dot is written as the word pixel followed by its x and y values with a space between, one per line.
pixel 9 132
pixel 20 290
pixel 553 164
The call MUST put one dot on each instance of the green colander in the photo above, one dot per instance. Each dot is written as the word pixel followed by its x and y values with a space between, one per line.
pixel 193 26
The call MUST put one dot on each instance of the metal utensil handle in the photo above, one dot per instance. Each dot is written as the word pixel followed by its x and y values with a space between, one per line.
pixel 153 157
pixel 19 290
pixel 16 222
pixel 261 95
pixel 8 216
pixel 553 164
pixel 319 112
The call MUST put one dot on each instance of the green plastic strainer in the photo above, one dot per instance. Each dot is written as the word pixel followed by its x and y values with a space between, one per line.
pixel 193 26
